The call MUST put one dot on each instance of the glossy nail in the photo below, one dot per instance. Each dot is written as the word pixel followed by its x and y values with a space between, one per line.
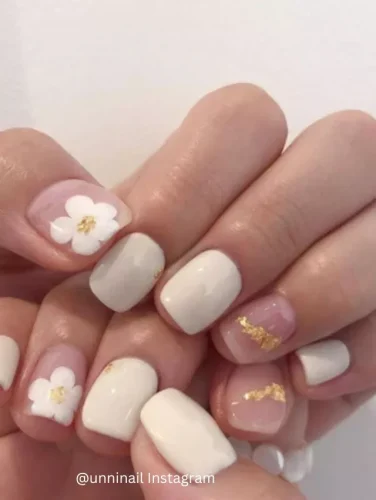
pixel 258 327
pixel 114 402
pixel 256 399
pixel 201 291
pixel 55 388
pixel 9 359
pixel 324 361
pixel 77 215
pixel 270 458
pixel 298 464
pixel 186 435
pixel 127 272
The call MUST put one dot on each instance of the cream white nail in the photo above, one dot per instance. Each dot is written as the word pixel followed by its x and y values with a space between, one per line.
pixel 186 435
pixel 115 400
pixel 9 358
pixel 270 458
pixel 243 448
pixel 128 271
pixel 201 291
pixel 324 361
pixel 298 464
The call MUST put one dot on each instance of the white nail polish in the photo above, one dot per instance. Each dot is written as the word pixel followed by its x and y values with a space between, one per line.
pixel 201 291
pixel 243 448
pixel 9 358
pixel 128 271
pixel 298 464
pixel 115 400
pixel 186 435
pixel 270 458
pixel 324 361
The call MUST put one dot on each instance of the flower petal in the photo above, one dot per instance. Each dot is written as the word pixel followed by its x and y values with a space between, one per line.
pixel 42 409
pixel 105 211
pixel 63 414
pixel 74 396
pixel 85 244
pixel 78 206
pixel 105 229
pixel 61 229
pixel 39 389
pixel 63 376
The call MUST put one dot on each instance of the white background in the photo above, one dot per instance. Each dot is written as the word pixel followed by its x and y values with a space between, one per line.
pixel 110 79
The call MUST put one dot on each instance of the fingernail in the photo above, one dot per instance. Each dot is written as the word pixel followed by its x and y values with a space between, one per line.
pixel 298 464
pixel 127 272
pixel 186 435
pixel 56 385
pixel 78 216
pixel 258 327
pixel 269 458
pixel 256 399
pixel 201 291
pixel 324 361
pixel 243 449
pixel 114 402
pixel 9 359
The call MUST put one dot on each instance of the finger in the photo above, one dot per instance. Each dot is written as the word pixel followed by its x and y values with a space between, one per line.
pixel 138 354
pixel 51 210
pixel 328 288
pixel 197 463
pixel 62 345
pixel 226 141
pixel 344 364
pixel 17 319
pixel 274 221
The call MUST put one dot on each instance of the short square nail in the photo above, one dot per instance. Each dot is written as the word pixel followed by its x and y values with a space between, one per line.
pixel 56 384
pixel 256 399
pixel 78 216
pixel 258 327
pixel 201 291
pixel 113 404
pixel 127 272
pixel 9 359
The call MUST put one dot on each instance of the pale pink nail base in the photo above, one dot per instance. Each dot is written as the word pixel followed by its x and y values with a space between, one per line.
pixel 256 399
pixel 56 385
pixel 258 328
pixel 78 216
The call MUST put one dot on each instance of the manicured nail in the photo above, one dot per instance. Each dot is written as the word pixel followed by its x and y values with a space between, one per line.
pixel 56 384
pixel 186 435
pixel 201 291
pixel 258 327
pixel 9 358
pixel 298 464
pixel 324 360
pixel 114 402
pixel 78 215
pixel 128 271
pixel 270 458
pixel 256 399
pixel 243 449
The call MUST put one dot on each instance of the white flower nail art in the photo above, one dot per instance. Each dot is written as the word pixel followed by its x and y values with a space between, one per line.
pixel 87 225
pixel 57 398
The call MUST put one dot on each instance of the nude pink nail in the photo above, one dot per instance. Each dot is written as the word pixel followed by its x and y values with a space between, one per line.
pixel 256 399
pixel 78 216
pixel 56 385
pixel 258 328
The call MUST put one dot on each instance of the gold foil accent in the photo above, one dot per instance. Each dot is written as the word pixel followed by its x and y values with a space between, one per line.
pixel 108 368
pixel 272 391
pixel 58 395
pixel 158 274
pixel 86 224
pixel 264 339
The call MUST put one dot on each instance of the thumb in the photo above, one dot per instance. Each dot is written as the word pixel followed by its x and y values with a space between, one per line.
pixel 52 211
pixel 180 452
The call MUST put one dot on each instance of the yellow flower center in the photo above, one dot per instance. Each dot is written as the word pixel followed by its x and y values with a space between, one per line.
pixel 58 394
pixel 86 224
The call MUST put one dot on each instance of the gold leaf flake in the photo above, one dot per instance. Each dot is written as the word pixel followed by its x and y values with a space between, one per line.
pixel 264 339
pixel 272 391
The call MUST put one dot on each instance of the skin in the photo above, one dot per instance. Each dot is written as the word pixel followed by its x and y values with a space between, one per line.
pixel 295 233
